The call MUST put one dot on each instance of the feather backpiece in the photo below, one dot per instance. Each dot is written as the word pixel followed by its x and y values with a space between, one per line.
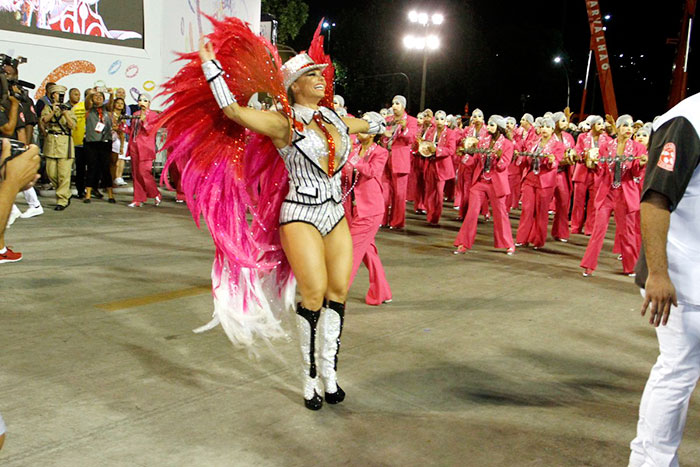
pixel 235 180
pixel 320 57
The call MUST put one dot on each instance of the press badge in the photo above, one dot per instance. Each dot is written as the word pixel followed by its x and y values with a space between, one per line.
pixel 99 127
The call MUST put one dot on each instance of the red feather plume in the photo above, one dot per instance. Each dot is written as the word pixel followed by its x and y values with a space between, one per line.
pixel 320 57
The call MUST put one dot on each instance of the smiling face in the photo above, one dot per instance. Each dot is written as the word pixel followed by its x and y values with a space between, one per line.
pixel 311 86
pixel 98 99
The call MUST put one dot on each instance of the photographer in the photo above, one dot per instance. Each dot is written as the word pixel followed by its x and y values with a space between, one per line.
pixel 16 174
pixel 59 120
pixel 26 120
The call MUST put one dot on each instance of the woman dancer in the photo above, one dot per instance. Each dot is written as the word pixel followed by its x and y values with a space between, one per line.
pixel 489 181
pixel 142 151
pixel 539 161
pixel 588 144
pixel 621 161
pixel 364 209
pixel 295 200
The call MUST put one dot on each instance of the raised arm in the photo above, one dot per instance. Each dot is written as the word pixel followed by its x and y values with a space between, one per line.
pixel 272 124
pixel 356 125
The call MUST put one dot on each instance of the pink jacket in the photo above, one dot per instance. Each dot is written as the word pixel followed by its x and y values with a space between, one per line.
pixel 400 152
pixel 368 193
pixel 630 171
pixel 498 174
pixel 548 170
pixel 446 146
pixel 584 143
pixel 143 134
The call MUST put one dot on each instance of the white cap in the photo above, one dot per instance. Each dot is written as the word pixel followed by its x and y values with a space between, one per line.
pixel 624 119
pixel 499 121
pixel 338 99
pixel 400 99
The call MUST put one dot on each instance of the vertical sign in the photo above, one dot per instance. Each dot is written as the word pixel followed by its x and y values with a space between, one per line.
pixel 600 50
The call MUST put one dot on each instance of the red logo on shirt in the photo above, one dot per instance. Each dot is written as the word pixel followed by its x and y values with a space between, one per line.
pixel 668 157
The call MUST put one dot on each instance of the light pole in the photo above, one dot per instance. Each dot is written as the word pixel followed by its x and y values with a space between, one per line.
pixel 558 60
pixel 327 26
pixel 426 42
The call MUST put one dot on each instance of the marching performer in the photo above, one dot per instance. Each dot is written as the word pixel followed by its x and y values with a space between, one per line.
pixel 620 161
pixel 419 162
pixel 465 170
pixel 287 177
pixel 540 161
pixel 562 189
pixel 490 181
pixel 587 147
pixel 142 150
pixel 364 208
pixel 440 167
pixel 521 136
pixel 401 133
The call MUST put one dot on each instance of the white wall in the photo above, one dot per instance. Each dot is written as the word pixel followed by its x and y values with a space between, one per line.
pixel 170 26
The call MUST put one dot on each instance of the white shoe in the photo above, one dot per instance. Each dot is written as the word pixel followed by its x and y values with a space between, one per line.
pixel 135 204
pixel 32 211
pixel 14 214
pixel 119 182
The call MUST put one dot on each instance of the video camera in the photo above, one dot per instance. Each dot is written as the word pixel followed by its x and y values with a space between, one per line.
pixel 8 82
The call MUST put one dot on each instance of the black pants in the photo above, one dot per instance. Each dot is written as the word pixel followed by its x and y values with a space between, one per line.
pixel 80 169
pixel 98 155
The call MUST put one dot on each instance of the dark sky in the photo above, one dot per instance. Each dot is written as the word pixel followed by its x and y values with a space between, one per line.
pixel 494 53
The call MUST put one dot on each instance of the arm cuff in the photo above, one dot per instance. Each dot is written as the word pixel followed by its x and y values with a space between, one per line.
pixel 214 75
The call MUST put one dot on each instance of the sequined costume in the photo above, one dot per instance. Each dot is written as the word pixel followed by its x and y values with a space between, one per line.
pixel 314 197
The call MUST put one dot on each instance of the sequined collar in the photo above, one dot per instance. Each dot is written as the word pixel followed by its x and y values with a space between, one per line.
pixel 305 114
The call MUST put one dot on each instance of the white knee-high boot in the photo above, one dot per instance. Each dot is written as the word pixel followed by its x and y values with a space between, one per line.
pixel 330 328
pixel 307 321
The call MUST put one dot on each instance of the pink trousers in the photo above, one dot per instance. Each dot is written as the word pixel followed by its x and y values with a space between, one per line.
pixel 418 182
pixel 364 250
pixel 142 156
pixel 502 234
pixel 534 216
pixel 399 187
pixel 628 243
pixel 515 182
pixel 434 192
pixel 562 202
pixel 582 209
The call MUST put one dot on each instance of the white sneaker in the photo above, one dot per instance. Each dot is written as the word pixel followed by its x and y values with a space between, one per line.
pixel 14 214
pixel 32 211
pixel 119 182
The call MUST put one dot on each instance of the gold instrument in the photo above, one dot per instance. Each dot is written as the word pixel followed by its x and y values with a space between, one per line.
pixel 426 148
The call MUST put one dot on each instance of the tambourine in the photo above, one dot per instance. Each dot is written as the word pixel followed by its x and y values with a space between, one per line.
pixel 426 148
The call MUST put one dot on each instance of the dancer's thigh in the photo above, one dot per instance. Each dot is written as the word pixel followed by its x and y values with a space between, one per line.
pixel 304 247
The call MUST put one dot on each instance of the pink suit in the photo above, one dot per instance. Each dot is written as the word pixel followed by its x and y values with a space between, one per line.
pixel 142 150
pixel 465 171
pixel 562 193
pixel 584 184
pixel 364 209
pixel 521 138
pixel 419 165
pixel 440 168
pixel 623 199
pixel 400 145
pixel 537 190
pixel 494 187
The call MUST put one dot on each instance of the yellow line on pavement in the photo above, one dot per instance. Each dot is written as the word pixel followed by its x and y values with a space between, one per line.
pixel 155 298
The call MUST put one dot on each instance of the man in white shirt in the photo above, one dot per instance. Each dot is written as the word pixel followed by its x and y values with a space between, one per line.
pixel 669 273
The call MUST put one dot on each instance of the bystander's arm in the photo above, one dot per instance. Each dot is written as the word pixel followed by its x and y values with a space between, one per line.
pixel 659 291
pixel 16 175
pixel 8 128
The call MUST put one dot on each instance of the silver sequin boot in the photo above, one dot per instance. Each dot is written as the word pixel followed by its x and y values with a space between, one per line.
pixel 306 324
pixel 330 328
